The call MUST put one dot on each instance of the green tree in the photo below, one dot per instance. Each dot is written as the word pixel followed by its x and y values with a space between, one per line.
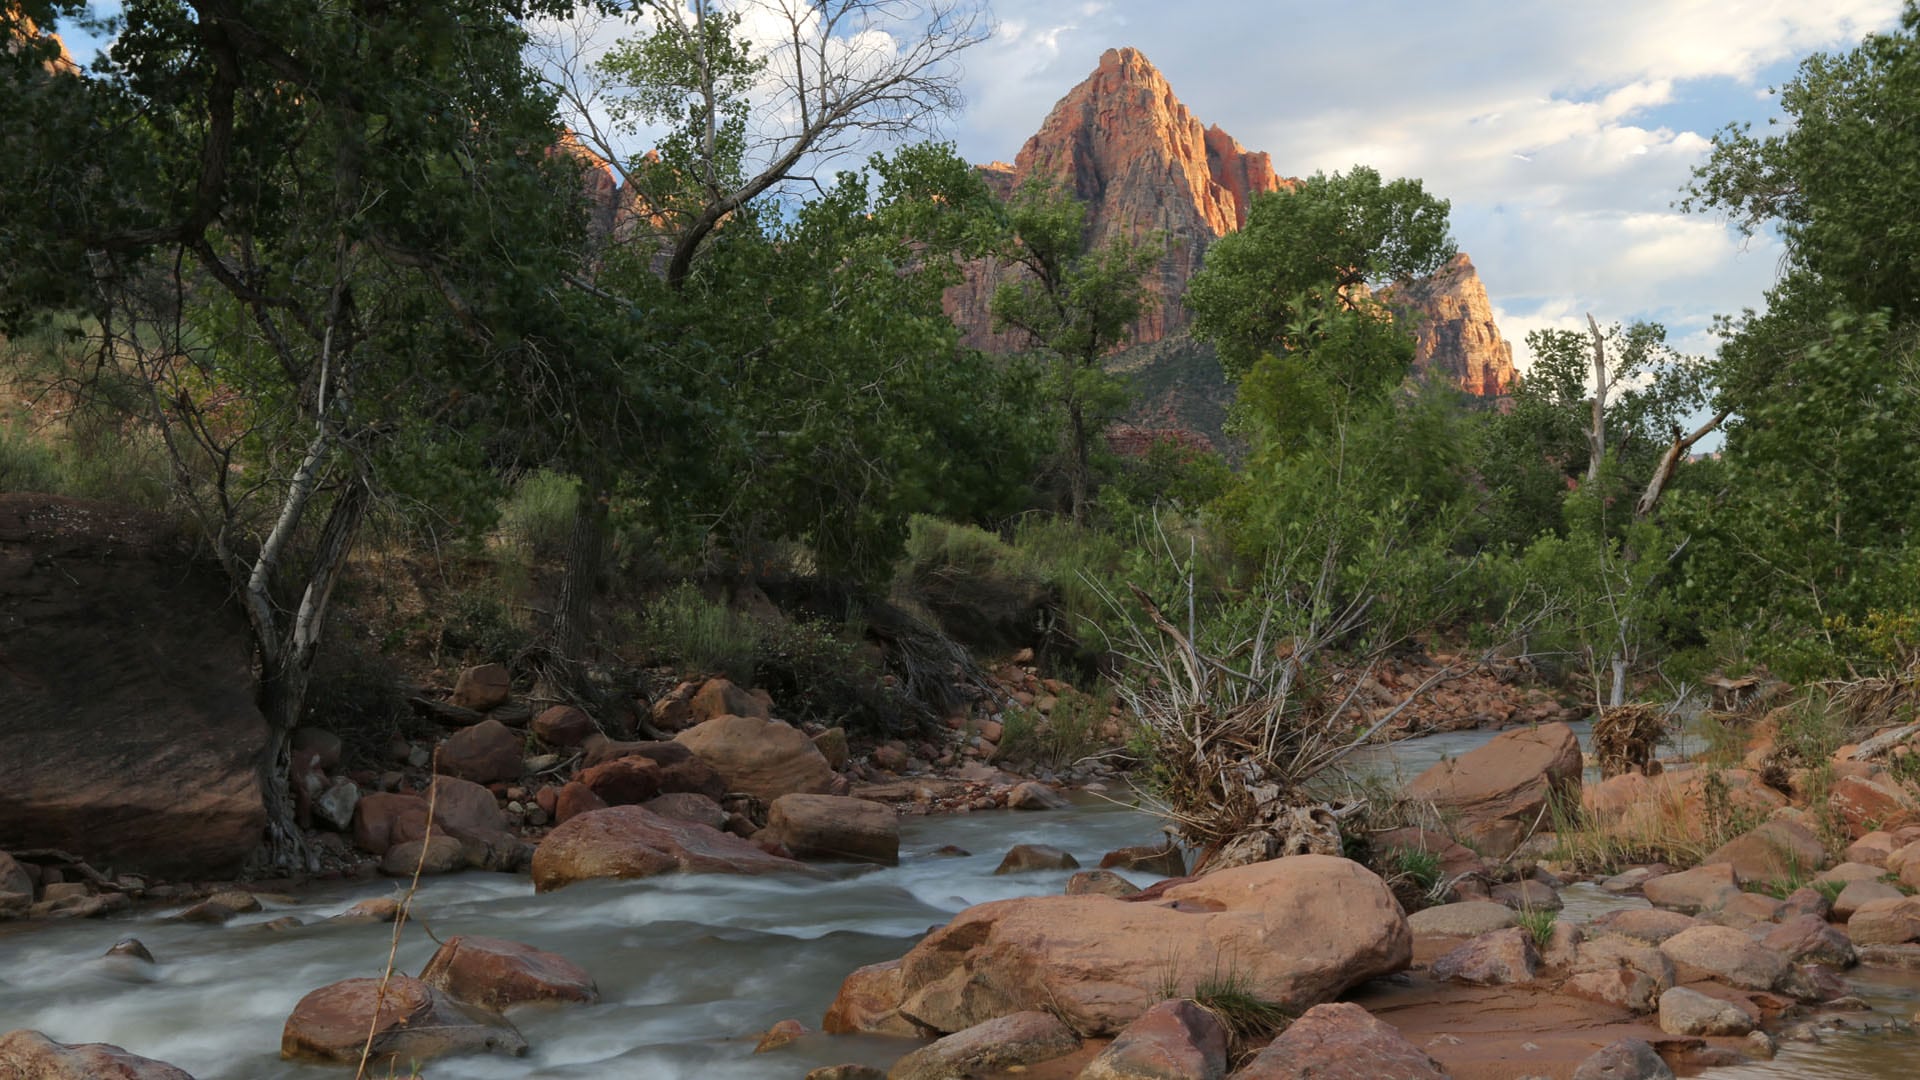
pixel 1075 307
pixel 1309 250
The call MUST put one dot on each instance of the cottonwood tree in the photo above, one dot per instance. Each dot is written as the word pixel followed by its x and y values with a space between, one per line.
pixel 319 239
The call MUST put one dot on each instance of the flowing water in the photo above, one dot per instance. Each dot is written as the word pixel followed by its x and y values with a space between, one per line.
pixel 690 968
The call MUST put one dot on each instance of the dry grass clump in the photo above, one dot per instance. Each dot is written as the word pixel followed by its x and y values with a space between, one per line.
pixel 1624 738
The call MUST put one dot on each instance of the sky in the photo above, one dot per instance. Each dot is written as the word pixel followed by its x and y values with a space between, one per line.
pixel 1562 130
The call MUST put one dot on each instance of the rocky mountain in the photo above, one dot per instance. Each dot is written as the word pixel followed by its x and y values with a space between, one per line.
pixel 1143 164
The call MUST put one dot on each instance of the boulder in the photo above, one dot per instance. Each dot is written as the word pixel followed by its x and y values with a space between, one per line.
pixel 833 746
pixel 383 819
pixel 681 770
pixel 575 798
pixel 1776 852
pixel 414 1022
pixel 782 1034
pixel 1610 954
pixel 720 697
pixel 494 973
pixel 487 686
pixel 687 806
pixel 627 781
pixel 1300 930
pixel 1805 900
pixel 1034 795
pixel 1021 858
pixel 564 726
pixel 324 745
pixel 1622 988
pixel 835 827
pixel 632 841
pixel 1498 958
pixel 1807 939
pixel 1341 1042
pixel 1872 849
pixel 436 854
pixel 1651 925
pixel 1885 922
pixel 1100 883
pixel 14 881
pixel 1864 804
pixel 869 1001
pixel 334 807
pixel 1726 954
pixel 846 1072
pixel 1176 1038
pixel 219 907
pixel 1468 918
pixel 29 1055
pixel 1627 1059
pixel 132 736
pixel 760 757
pixel 1703 888
pixel 1690 1012
pixel 1009 1043
pixel 486 753
pixel 1499 791
pixel 1527 895
pixel 1745 911
pixel 1162 860
pixel 1456 859
pixel 1859 894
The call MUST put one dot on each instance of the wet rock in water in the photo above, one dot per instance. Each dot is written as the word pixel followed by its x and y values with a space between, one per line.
pixel 30 1055
pixel 1341 1042
pixel 414 1022
pixel 379 909
pixel 1811 982
pixel 1162 859
pixel 869 1002
pixel 632 841
pixel 1726 954
pixel 1105 961
pixel 1690 1012
pixel 847 1072
pixel 1628 1059
pixel 1469 918
pixel 1650 925
pixel 495 974
pixel 1100 883
pixel 1703 888
pixel 1621 987
pixel 1499 958
pixel 131 949
pixel 1527 896
pixel 1022 858
pixel 1008 1043
pixel 688 806
pixel 1034 795
pixel 1500 790
pixel 1632 880
pixel 1775 852
pixel 951 851
pixel 784 1033
pixel 436 854
pixel 1175 1038
pixel 481 688
pixel 486 753
pixel 1615 953
pixel 835 827
pixel 221 906
pixel 1808 939
pixel 564 726
pixel 761 757
pixel 284 922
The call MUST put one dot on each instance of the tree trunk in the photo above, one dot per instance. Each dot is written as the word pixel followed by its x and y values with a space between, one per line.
pixel 1670 462
pixel 1597 433
pixel 1078 469
pixel 585 547
pixel 282 698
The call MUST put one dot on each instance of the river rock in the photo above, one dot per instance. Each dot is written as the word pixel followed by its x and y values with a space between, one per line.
pixel 14 882
pixel 1621 987
pixel 1873 848
pixel 494 973
pixel 415 1022
pixel 687 806
pixel 1499 791
pixel 1606 954
pixel 1726 954
pixel 1651 925
pixel 869 1002
pixel 131 949
pixel 1808 939
pixel 1008 1043
pixel 334 807
pixel 443 854
pixel 1034 795
pixel 383 819
pixel 1527 895
pixel 575 798
pixel 627 781
pixel 681 770
pixel 835 827
pixel 764 758
pixel 481 688
pixel 1341 1041
pixel 1744 911
pixel 632 841
pixel 1690 1012
pixel 1885 922
pixel 1100 883
pixel 564 726
pixel 720 697
pixel 1805 900
pixel 1498 958
pixel 30 1055
pixel 1021 858
pixel 1703 888
pixel 379 909
pixel 1468 918
pixel 1163 860
pixel 846 1072
pixel 1301 930
pixel 1175 1038
pixel 131 732
pixel 1776 852
pixel 833 746
pixel 1628 1059
pixel 1858 894
pixel 486 753
pixel 1863 803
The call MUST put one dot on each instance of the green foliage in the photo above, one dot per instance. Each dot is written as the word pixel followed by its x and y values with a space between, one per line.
pixel 538 516
pixel 701 637
pixel 1538 923
pixel 480 627
pixel 1242 1010
pixel 1055 740
pixel 1418 865
pixel 1303 251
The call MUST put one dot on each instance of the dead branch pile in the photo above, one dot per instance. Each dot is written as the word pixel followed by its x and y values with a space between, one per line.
pixel 1875 702
pixel 1624 738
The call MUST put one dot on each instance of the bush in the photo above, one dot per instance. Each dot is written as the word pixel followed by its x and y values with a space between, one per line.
pixel 479 627
pixel 981 590
pixel 538 516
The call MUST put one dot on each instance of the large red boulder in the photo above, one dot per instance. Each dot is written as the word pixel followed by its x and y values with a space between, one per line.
pixel 486 753
pixel 1341 1042
pixel 765 758
pixel 1499 791
pixel 494 974
pixel 835 827
pixel 410 1022
pixel 131 735
pixel 29 1055
pixel 564 726
pixel 623 781
pixel 1299 930
pixel 632 841
pixel 681 770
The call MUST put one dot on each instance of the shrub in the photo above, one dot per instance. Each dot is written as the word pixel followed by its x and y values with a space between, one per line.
pixel 479 627
pixel 1538 923
pixel 538 515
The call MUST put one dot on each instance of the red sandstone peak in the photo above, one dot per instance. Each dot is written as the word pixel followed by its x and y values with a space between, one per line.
pixel 1454 331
